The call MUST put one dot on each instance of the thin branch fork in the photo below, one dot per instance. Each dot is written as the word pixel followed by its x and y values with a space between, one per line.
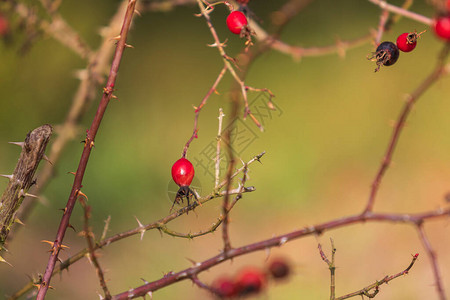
pixel 89 235
pixel 375 286
pixel 88 145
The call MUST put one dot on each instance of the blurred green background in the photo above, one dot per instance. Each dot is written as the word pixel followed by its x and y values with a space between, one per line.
pixel 323 146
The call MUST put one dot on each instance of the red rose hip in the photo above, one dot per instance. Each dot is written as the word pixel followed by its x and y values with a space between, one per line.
pixel 224 287
pixel 236 21
pixel 406 42
pixel 250 281
pixel 441 27
pixel 183 173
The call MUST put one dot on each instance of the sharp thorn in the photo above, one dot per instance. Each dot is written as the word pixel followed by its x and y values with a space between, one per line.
pixel 80 193
pixel 31 195
pixel 10 177
pixel 20 144
pixel 142 228
pixel 139 222
pixel 4 261
pixel 191 260
pixel 145 281
pixel 45 157
pixel 17 220
pixel 116 38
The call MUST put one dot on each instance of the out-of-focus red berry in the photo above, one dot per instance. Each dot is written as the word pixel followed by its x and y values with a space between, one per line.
pixel 442 27
pixel 4 25
pixel 225 287
pixel 250 281
pixel 279 268
pixel 236 21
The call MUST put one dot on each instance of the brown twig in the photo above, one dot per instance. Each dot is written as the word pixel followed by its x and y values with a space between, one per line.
pixel 219 141
pixel 56 28
pixel 279 241
pixel 403 12
pixel 384 16
pixel 88 145
pixel 199 108
pixel 433 258
pixel 89 235
pixel 331 266
pixel 375 286
pixel 438 71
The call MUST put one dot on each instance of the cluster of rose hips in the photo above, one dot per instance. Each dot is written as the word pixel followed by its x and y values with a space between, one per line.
pixel 387 53
pixel 250 280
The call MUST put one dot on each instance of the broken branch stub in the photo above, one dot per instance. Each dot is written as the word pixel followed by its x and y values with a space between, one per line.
pixel 22 179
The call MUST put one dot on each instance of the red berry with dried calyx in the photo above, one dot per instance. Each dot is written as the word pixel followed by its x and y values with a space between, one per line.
pixel 441 27
pixel 183 173
pixel 406 42
pixel 236 21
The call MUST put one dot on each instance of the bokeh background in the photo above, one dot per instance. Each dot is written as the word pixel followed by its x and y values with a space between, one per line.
pixel 323 148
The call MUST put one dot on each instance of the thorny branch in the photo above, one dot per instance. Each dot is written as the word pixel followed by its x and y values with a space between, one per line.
pixel 141 229
pixel 278 241
pixel 368 215
pixel 88 145
pixel 90 79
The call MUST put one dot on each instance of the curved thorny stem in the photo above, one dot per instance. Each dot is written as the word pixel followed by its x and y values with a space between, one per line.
pixel 88 145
